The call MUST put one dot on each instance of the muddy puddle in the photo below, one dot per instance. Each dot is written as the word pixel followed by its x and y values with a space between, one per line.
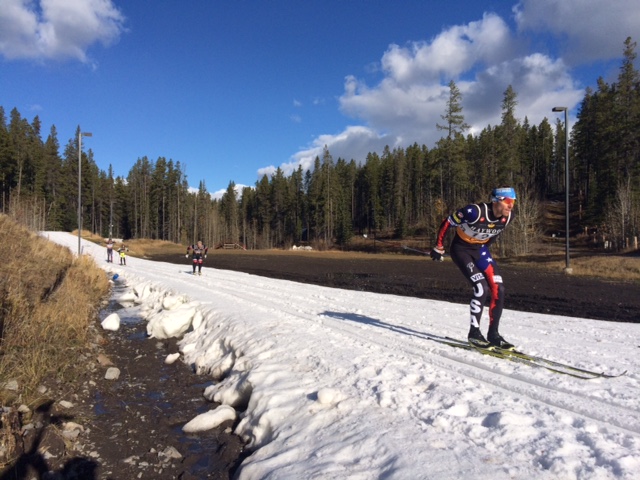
pixel 139 417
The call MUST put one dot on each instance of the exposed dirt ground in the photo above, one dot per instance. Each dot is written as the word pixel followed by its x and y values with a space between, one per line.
pixel 531 290
pixel 132 426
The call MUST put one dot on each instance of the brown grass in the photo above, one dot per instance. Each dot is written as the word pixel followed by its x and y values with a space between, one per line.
pixel 625 268
pixel 48 298
pixel 144 248
pixel 141 248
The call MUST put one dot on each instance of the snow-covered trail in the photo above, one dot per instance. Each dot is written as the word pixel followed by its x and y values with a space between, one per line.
pixel 348 384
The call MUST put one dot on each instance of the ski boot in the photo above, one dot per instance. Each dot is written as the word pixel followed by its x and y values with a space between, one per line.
pixel 476 338
pixel 496 340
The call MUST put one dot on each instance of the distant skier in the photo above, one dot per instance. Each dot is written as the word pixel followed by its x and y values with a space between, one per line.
pixel 477 226
pixel 110 251
pixel 122 251
pixel 199 254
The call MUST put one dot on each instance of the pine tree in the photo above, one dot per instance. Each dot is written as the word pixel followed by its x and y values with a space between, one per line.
pixel 627 112
pixel 452 160
pixel 51 170
pixel 297 203
pixel 230 213
pixel 263 212
pixel 508 138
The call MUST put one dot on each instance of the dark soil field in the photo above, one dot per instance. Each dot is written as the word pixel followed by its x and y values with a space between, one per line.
pixel 527 289
pixel 132 426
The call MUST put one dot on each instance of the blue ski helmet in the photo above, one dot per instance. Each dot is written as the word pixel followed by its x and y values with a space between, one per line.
pixel 499 194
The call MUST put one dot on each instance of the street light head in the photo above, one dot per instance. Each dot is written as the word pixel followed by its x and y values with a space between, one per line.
pixel 559 109
pixel 87 134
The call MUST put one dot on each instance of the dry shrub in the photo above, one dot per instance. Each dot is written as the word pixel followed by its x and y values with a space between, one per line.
pixel 48 298
pixel 624 268
pixel 610 267
pixel 31 266
pixel 144 247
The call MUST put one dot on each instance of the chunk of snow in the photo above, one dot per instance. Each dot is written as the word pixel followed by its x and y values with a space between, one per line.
pixel 171 358
pixel 171 323
pixel 112 322
pixel 329 396
pixel 210 419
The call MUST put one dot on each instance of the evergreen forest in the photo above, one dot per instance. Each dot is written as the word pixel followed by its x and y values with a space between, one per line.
pixel 396 193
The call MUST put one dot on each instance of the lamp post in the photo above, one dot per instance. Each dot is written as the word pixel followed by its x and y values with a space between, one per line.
pixel 80 135
pixel 567 268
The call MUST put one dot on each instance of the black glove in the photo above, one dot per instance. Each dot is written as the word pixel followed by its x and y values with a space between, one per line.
pixel 437 253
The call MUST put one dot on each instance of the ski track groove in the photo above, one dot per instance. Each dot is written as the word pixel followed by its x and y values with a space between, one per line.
pixel 279 302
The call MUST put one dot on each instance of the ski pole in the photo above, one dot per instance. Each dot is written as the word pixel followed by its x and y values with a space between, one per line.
pixel 401 246
pixel 416 250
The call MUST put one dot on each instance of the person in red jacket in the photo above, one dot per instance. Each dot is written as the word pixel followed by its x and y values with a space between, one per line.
pixel 199 254
pixel 110 245
pixel 477 226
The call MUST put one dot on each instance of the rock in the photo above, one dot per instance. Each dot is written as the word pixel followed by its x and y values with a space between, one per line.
pixel 170 452
pixel 69 426
pixel 11 385
pixel 27 428
pixel 71 434
pixel 104 360
pixel 113 373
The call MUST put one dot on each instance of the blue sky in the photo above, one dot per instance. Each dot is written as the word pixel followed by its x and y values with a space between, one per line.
pixel 236 89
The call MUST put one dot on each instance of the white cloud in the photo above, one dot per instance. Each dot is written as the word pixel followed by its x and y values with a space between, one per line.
pixel 56 29
pixel 409 112
pixel 589 30
pixel 403 110
pixel 539 82
pixel 268 171
pixel 452 53
pixel 482 57
pixel 352 144
pixel 217 195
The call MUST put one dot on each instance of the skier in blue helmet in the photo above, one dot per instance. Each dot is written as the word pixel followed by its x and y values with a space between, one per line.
pixel 477 226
